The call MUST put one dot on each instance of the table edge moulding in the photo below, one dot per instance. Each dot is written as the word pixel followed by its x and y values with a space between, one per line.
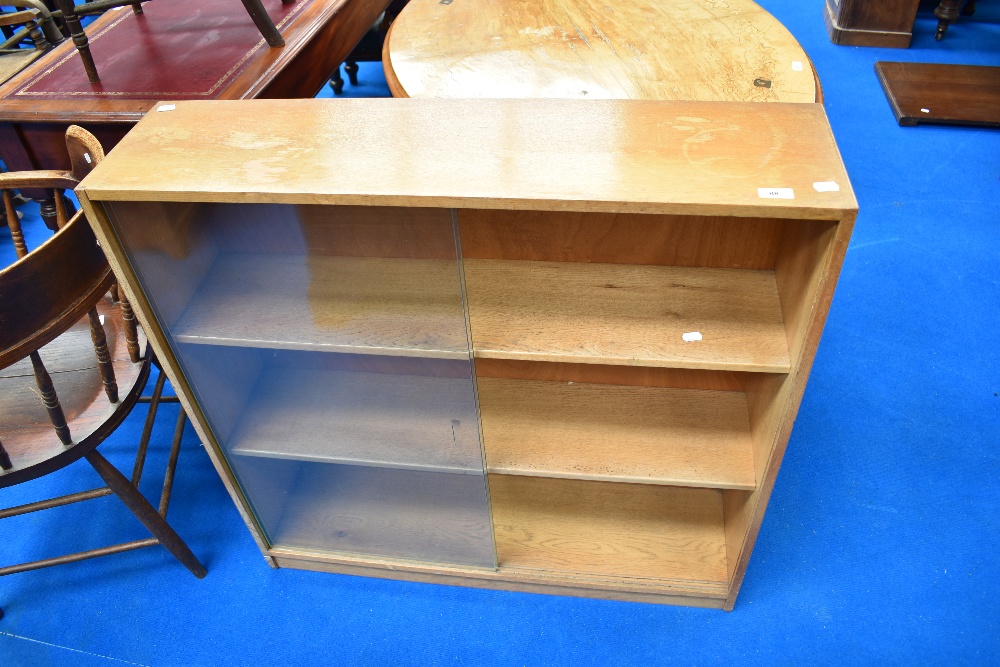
pixel 643 285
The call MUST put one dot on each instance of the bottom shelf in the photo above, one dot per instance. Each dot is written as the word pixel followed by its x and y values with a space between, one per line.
pixel 383 512
pixel 605 529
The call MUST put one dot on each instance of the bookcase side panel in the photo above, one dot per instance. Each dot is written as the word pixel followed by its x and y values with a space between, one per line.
pixel 806 272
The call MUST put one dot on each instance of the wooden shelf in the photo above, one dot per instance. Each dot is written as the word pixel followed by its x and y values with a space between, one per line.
pixel 365 305
pixel 626 314
pixel 372 419
pixel 435 517
pixel 608 530
pixel 645 435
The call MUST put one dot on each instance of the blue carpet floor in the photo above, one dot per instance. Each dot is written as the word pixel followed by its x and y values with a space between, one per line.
pixel 880 542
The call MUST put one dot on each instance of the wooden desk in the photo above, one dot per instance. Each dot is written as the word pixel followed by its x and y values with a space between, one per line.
pixel 180 49
pixel 590 49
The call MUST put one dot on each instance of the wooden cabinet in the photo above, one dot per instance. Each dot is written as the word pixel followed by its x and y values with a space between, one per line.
pixel 886 23
pixel 543 345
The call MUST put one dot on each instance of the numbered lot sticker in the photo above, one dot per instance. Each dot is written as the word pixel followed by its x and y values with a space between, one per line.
pixel 775 193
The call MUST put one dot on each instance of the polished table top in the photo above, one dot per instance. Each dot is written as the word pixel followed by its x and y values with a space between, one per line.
pixel 707 50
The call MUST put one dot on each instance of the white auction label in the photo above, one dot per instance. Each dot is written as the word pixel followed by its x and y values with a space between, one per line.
pixel 826 186
pixel 775 193
pixel 691 336
pixel 797 65
pixel 166 107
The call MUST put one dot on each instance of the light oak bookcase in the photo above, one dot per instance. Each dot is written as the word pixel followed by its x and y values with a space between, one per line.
pixel 542 345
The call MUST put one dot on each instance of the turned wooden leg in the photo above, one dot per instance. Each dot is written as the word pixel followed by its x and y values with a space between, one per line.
pixel 38 37
pixel 5 462
pixel 947 13
pixel 15 226
pixel 131 330
pixel 51 31
pixel 351 68
pixel 49 210
pixel 100 339
pixel 255 8
pixel 79 38
pixel 336 82
pixel 146 513
pixel 50 400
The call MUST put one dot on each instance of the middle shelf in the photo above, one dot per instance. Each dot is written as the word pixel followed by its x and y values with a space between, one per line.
pixel 407 422
pixel 616 314
pixel 599 432
pixel 614 433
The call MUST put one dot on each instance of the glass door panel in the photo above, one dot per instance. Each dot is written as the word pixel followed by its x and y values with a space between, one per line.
pixel 329 350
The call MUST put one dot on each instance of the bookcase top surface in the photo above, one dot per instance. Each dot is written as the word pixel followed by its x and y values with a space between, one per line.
pixel 696 158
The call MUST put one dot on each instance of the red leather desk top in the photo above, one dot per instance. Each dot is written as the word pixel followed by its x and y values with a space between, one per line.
pixel 176 49
pixel 179 49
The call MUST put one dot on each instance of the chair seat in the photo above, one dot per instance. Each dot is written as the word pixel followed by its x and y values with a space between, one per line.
pixel 12 63
pixel 27 432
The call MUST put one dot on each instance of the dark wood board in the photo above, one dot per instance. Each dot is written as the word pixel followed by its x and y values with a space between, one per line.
pixel 884 23
pixel 947 94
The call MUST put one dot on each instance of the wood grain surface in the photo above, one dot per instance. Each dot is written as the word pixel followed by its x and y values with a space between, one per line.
pixel 373 419
pixel 944 94
pixel 606 529
pixel 25 429
pixel 715 242
pixel 684 158
pixel 888 23
pixel 587 49
pixel 642 435
pixel 630 315
pixel 340 304
pixel 689 593
pixel 632 376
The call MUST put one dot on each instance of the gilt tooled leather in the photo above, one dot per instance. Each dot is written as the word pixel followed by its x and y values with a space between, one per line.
pixel 177 49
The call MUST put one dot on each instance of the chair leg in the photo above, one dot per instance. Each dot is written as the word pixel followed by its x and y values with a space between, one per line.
pixel 103 356
pixel 50 400
pixel 146 513
pixel 131 330
pixel 5 461
pixel 255 8
pixel 14 223
pixel 79 38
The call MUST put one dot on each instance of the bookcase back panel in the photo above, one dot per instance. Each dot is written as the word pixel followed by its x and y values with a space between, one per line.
pixel 620 238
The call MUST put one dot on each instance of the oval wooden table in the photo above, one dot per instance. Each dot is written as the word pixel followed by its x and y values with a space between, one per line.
pixel 708 50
